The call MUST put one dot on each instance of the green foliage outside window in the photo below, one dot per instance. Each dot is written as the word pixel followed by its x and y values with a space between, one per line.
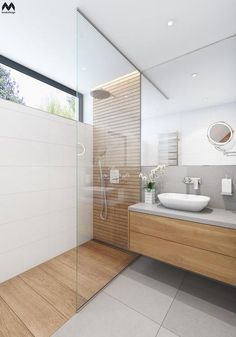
pixel 8 88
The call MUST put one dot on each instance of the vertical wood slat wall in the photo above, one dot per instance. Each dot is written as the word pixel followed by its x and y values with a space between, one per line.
pixel 116 138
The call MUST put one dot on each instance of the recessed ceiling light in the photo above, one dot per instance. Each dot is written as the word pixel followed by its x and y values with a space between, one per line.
pixel 170 23
pixel 194 75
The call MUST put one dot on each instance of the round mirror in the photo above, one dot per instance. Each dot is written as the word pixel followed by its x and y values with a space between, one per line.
pixel 220 133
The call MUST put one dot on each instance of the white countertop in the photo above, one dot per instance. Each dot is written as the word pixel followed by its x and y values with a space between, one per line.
pixel 210 216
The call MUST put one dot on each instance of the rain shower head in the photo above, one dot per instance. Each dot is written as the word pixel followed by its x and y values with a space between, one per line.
pixel 100 94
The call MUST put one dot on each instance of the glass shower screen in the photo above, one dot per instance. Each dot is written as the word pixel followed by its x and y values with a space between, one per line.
pixel 108 158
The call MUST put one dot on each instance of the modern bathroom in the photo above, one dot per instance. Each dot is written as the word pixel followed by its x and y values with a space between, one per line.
pixel 118 168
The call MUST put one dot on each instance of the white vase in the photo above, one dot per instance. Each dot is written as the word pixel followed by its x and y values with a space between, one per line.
pixel 150 196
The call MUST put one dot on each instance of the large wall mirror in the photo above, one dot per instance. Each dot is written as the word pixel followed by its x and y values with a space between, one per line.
pixel 189 108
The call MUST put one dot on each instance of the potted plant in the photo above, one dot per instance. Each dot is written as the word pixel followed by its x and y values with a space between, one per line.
pixel 150 182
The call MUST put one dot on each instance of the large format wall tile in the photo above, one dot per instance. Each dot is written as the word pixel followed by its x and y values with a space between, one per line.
pixel 62 177
pixel 38 187
pixel 19 125
pixel 18 152
pixel 23 258
pixel 62 132
pixel 15 179
pixel 18 206
pixel 22 232
pixel 210 185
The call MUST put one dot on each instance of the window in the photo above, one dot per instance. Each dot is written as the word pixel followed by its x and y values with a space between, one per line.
pixel 25 86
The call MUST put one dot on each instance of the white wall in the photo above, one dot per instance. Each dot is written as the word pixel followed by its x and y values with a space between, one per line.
pixel 37 187
pixel 195 149
pixel 85 183
pixel 88 109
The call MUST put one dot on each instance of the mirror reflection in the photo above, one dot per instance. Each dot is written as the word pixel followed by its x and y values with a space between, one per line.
pixel 186 95
pixel 220 133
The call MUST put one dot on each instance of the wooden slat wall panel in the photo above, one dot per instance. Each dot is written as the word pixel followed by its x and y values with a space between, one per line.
pixel 117 132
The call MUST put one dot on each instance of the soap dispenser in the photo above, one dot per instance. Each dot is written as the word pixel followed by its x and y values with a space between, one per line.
pixel 226 186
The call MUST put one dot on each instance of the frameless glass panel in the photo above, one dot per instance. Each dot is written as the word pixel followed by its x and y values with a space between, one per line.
pixel 108 160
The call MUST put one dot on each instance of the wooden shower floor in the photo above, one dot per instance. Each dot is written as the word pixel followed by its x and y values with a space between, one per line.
pixel 39 301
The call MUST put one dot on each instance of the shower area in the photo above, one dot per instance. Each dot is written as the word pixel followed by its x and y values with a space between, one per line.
pixel 66 185
pixel 108 161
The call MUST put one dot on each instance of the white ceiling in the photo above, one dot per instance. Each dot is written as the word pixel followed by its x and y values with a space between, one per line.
pixel 99 62
pixel 42 34
pixel 214 84
pixel 139 28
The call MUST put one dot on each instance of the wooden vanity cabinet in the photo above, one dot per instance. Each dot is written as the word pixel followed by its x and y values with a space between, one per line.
pixel 205 249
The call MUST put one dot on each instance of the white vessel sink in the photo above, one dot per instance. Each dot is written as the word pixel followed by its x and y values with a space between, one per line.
pixel 184 202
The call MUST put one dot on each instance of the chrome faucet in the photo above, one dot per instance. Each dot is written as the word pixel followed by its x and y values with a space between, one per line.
pixel 193 180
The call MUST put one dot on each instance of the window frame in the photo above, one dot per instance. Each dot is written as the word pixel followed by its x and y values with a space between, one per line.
pixel 34 74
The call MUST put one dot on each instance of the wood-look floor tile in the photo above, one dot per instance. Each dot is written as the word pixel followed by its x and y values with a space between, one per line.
pixel 87 286
pixel 43 298
pixel 36 313
pixel 97 265
pixel 68 258
pixel 111 258
pixel 57 294
pixel 61 272
pixel 10 324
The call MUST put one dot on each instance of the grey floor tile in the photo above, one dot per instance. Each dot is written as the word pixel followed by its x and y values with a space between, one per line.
pixel 203 308
pixel 166 333
pixel 106 317
pixel 147 286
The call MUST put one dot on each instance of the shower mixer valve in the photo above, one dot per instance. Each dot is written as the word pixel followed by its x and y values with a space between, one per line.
pixel 114 176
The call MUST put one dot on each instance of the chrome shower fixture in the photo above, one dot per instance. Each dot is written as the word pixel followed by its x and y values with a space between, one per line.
pixel 100 94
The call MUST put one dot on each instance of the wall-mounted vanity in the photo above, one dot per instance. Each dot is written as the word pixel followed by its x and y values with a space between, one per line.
pixel 188 123
pixel 203 242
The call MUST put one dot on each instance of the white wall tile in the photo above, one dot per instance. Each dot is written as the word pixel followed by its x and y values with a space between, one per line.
pixel 85 220
pixel 62 177
pixel 14 207
pixel 62 241
pixel 23 126
pixel 23 179
pixel 61 220
pixel 62 133
pixel 20 233
pixel 17 152
pixel 38 187
pixel 85 182
pixel 60 119
pixel 62 155
pixel 4 104
pixel 62 199
pixel 19 260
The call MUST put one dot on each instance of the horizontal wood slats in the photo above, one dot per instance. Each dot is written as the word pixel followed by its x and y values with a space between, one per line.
pixel 117 134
